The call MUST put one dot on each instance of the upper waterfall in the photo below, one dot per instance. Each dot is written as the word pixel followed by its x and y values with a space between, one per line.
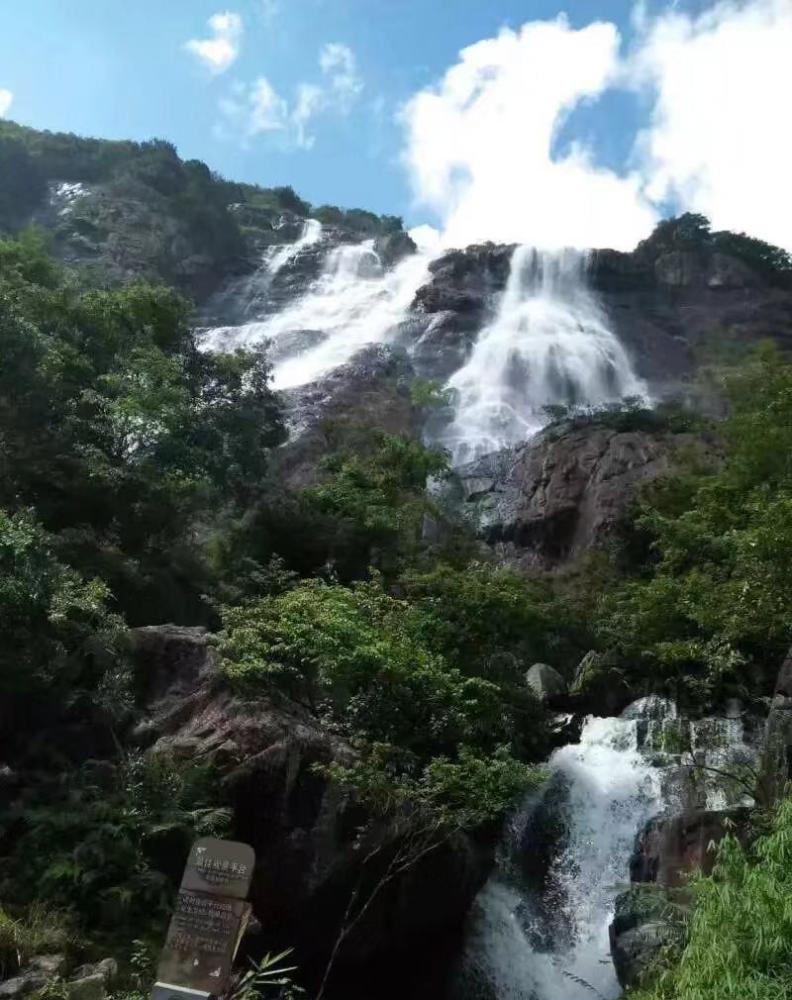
pixel 355 301
pixel 549 342
pixel 278 257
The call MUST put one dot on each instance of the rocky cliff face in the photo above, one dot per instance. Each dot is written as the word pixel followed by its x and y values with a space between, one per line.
pixel 547 502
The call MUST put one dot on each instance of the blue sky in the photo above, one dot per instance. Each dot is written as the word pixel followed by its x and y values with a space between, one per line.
pixel 122 69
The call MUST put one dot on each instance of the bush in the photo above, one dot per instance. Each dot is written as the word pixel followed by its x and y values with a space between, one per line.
pixel 108 842
pixel 38 930
pixel 708 611
pixel 740 934
pixel 360 657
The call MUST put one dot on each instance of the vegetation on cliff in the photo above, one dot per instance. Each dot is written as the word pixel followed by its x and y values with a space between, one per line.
pixel 739 943
pixel 701 605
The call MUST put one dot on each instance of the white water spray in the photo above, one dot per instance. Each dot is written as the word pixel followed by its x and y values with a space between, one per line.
pixel 608 790
pixel 354 302
pixel 544 936
pixel 548 343
pixel 277 257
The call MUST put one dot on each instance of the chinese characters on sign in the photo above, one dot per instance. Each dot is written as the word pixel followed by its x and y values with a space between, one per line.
pixel 210 917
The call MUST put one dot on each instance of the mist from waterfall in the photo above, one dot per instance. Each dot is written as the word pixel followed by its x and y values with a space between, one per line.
pixel 354 302
pixel 548 343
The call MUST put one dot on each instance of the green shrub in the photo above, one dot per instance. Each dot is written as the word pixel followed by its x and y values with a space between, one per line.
pixel 740 934
pixel 708 611
pixel 362 658
pixel 38 930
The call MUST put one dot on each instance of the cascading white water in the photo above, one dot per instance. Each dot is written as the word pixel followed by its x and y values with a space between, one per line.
pixel 606 791
pixel 277 257
pixel 354 302
pixel 539 931
pixel 548 343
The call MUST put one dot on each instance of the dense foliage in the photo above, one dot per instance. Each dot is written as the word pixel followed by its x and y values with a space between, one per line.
pixel 692 232
pixel 426 700
pixel 96 841
pixel 215 215
pixel 740 934
pixel 125 439
pixel 707 611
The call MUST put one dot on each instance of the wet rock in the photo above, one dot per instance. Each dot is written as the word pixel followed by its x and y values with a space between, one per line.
pixel 668 849
pixel 635 948
pixel 598 686
pixel 393 247
pixel 371 391
pixel 552 499
pixel 545 682
pixel 463 282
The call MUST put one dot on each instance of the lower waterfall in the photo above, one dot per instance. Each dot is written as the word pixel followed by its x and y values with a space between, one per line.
pixel 539 927
pixel 548 343
pixel 549 940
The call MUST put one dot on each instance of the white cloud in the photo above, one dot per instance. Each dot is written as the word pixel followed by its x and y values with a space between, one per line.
pixel 309 102
pixel 479 143
pixel 339 65
pixel 268 110
pixel 252 110
pixel 719 141
pixel 6 100
pixel 220 51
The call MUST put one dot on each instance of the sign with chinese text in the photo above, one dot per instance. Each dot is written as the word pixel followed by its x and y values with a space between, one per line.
pixel 210 917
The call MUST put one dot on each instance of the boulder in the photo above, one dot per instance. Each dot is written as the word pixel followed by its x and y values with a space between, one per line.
pixel 669 848
pixel 314 843
pixel 93 987
pixel 22 985
pixel 635 940
pixel 545 681
pixel 598 686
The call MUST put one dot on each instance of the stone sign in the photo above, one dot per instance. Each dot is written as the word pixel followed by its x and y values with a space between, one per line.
pixel 209 919
pixel 219 867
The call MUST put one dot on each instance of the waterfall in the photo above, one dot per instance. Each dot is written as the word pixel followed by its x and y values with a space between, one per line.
pixel 539 928
pixel 536 943
pixel 277 257
pixel 355 301
pixel 548 343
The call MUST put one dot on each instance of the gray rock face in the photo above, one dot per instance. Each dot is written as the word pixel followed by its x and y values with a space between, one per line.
pixel 306 832
pixel 548 501
pixel 545 681
pixel 370 391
